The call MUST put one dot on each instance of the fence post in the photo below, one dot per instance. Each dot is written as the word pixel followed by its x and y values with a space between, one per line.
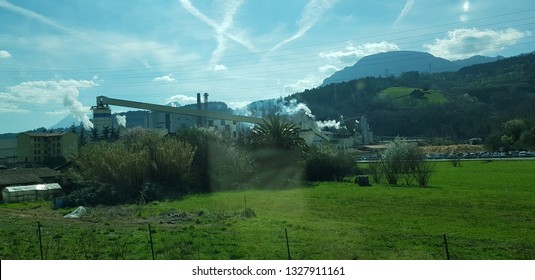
pixel 151 245
pixel 40 240
pixel 287 243
pixel 446 246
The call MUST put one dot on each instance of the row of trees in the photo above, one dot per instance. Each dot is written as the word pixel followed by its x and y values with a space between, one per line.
pixel 515 134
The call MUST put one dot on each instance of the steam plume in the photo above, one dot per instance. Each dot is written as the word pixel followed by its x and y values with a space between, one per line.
pixel 121 120
pixel 328 123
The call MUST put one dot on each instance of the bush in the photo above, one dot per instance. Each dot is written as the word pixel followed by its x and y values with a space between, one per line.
pixel 405 161
pixel 91 195
pixel 325 165
pixel 140 158
pixel 218 164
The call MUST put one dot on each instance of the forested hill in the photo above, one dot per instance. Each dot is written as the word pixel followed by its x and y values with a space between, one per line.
pixel 472 102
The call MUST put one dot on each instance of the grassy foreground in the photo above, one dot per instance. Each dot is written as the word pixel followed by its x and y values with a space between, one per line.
pixel 486 210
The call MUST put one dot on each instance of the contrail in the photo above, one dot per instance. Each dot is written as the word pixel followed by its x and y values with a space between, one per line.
pixel 33 15
pixel 228 20
pixel 311 14
pixel 404 12
pixel 221 30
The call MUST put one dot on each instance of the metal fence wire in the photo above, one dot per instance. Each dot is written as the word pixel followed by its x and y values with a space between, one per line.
pixel 224 241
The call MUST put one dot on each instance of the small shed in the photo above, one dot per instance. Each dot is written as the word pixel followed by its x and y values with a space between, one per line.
pixel 31 192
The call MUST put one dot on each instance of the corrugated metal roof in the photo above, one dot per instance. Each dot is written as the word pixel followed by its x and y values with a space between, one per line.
pixel 37 187
pixel 25 175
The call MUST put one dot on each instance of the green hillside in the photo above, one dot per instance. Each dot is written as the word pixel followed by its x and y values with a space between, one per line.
pixel 475 101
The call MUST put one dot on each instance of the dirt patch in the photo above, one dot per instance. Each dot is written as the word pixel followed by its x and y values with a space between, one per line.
pixel 176 217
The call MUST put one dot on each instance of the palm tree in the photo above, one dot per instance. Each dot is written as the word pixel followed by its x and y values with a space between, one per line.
pixel 274 133
pixel 278 151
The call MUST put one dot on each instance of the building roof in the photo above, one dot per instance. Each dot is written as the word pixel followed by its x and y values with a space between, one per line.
pixel 36 187
pixel 45 134
pixel 25 175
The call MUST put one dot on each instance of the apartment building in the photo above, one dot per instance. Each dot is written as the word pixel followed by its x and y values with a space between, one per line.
pixel 37 147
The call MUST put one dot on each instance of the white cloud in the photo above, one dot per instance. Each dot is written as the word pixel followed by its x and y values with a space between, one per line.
pixel 4 54
pixel 309 81
pixel 328 68
pixel 404 12
pixel 58 113
pixel 312 12
pixel 237 104
pixel 6 107
pixel 181 99
pixel 352 53
pixel 466 42
pixel 50 92
pixel 166 78
pixel 218 67
pixel 123 49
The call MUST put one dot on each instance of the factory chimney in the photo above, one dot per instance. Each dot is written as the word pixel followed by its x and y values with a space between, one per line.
pixel 206 101
pixel 199 119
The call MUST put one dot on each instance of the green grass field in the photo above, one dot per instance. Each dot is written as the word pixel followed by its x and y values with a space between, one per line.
pixel 486 210
pixel 401 97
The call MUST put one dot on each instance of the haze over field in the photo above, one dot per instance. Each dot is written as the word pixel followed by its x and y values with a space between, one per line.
pixel 56 57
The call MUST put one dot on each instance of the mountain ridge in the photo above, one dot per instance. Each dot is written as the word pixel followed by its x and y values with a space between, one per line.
pixel 397 62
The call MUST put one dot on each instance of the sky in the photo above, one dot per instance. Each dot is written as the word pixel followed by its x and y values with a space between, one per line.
pixel 57 56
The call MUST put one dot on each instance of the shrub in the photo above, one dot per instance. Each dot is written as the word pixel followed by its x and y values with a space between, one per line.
pixel 139 159
pixel 328 165
pixel 218 164
pixel 405 161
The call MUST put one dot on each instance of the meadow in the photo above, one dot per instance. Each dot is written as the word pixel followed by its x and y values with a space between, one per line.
pixel 486 209
pixel 401 96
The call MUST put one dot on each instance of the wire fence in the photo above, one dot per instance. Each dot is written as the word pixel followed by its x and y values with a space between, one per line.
pixel 224 241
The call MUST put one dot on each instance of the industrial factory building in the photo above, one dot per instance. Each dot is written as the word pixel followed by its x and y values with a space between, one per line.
pixel 168 119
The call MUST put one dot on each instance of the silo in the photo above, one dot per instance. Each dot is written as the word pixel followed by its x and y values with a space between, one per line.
pixel 101 117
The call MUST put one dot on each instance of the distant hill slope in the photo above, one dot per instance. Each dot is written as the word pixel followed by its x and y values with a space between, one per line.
pixel 397 62
pixel 472 102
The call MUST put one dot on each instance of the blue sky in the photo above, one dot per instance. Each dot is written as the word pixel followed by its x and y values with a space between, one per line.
pixel 57 56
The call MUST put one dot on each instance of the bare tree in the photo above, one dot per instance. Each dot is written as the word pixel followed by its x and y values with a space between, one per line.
pixel 405 161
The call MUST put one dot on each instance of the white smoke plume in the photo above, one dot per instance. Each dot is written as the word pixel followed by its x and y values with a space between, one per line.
pixel 51 92
pixel 328 123
pixel 293 108
pixel 121 120
pixel 77 109
pixel 264 108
